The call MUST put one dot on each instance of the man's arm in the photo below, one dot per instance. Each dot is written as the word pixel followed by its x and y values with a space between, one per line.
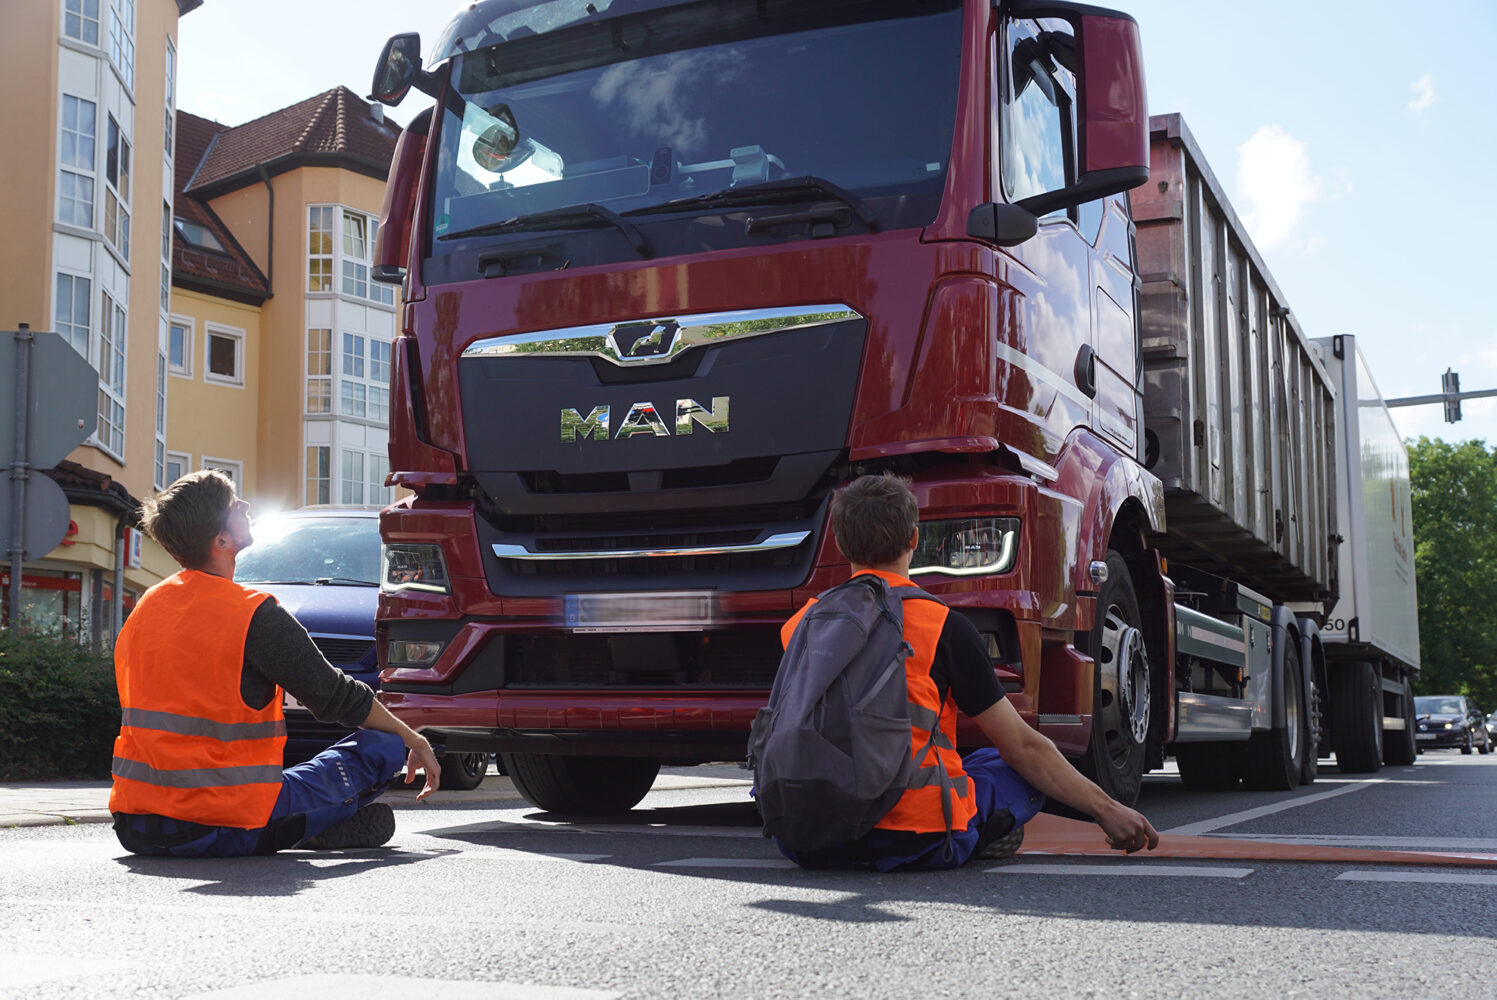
pixel 1035 758
pixel 420 757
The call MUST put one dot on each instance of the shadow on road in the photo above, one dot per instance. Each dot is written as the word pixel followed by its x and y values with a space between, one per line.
pixel 283 874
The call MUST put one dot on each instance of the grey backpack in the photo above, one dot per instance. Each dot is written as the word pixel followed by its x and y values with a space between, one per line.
pixel 831 752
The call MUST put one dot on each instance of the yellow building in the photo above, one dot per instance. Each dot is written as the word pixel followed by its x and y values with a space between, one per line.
pixel 88 187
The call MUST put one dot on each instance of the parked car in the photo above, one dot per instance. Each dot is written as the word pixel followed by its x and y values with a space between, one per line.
pixel 1449 720
pixel 1492 728
pixel 323 565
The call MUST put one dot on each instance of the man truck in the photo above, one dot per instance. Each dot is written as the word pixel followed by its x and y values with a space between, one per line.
pixel 673 270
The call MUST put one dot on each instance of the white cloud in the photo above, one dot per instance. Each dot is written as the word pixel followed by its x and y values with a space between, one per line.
pixel 1274 184
pixel 1424 93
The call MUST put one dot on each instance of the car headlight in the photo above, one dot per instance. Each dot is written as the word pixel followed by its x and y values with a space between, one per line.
pixel 973 546
pixel 1450 725
pixel 413 567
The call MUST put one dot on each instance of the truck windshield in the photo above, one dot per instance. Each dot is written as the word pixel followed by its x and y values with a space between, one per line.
pixel 669 105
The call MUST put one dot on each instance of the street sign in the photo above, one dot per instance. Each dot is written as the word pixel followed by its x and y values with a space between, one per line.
pixel 63 404
pixel 45 515
pixel 1450 382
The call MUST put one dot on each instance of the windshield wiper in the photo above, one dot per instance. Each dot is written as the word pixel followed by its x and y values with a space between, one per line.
pixel 323 581
pixel 788 189
pixel 571 216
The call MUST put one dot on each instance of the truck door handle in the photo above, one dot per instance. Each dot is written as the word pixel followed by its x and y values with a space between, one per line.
pixel 1086 371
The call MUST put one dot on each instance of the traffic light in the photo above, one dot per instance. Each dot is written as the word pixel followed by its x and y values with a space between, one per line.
pixel 1450 383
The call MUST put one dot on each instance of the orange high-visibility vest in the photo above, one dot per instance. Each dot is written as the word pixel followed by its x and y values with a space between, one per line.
pixel 189 747
pixel 920 810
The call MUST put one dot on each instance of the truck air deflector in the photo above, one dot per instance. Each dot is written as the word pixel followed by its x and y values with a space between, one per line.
pixel 783 540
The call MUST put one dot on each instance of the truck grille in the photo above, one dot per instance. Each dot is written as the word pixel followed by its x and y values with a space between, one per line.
pixel 729 658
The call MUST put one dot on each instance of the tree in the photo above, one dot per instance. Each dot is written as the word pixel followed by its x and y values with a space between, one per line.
pixel 1454 489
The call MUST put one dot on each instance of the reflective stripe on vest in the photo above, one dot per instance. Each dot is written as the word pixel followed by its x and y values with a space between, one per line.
pixel 188 725
pixel 196 777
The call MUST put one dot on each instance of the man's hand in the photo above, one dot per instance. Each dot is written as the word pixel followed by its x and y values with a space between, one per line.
pixel 422 758
pixel 1127 829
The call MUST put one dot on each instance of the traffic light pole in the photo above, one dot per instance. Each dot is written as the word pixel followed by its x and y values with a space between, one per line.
pixel 1451 397
pixel 20 471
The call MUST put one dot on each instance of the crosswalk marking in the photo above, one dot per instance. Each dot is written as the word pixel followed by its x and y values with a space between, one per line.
pixel 375 987
pixel 19 971
pixel 1436 878
pixel 1390 843
pixel 726 863
pixel 1144 869
pixel 511 854
pixel 1233 819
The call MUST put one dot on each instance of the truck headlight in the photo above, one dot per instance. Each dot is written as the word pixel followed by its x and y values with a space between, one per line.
pixel 972 546
pixel 412 652
pixel 413 567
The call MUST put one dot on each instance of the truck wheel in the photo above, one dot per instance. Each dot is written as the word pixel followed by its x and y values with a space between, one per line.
pixel 568 784
pixel 1398 746
pixel 1357 717
pixel 1122 697
pixel 1314 733
pixel 1275 759
pixel 1209 767
pixel 463 772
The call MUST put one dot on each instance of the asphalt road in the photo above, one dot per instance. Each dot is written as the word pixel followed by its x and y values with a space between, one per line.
pixel 683 898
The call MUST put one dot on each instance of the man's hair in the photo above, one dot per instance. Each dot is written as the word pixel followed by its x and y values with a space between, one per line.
pixel 187 515
pixel 872 518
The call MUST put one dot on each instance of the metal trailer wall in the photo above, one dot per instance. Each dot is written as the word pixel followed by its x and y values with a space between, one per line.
pixel 1239 413
pixel 1378 609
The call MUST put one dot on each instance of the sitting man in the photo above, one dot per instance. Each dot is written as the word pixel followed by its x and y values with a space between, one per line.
pixel 874 519
pixel 200 666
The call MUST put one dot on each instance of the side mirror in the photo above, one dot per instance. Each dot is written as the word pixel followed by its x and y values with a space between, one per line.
pixel 1112 108
pixel 398 68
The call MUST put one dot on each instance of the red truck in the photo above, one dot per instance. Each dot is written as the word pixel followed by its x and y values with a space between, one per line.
pixel 675 269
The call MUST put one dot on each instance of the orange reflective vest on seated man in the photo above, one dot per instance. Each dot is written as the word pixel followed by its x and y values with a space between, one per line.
pixel 189 747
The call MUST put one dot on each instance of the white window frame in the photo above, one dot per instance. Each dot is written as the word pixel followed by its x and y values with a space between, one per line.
pixel 158 465
pixel 232 467
pixel 321 379
pixel 88 171
pixel 180 458
pixel 329 214
pixel 83 19
pixel 376 468
pixel 323 454
pixel 110 361
pixel 360 384
pixel 211 330
pixel 188 324
pixel 170 119
pixel 122 41
pixel 351 465
pixel 117 189
pixel 79 335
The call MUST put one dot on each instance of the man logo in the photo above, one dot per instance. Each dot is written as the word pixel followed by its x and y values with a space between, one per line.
pixel 643 418
pixel 646 340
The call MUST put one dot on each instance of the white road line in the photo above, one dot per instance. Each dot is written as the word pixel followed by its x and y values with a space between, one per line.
pixel 375 987
pixel 726 863
pixel 510 854
pixel 19 971
pixel 1232 819
pixel 1437 878
pixel 1179 871
pixel 1388 843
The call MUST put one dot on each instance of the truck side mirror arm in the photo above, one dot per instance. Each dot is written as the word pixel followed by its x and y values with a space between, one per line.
pixel 1002 223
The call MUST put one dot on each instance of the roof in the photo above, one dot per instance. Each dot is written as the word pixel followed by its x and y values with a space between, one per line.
pixel 233 273
pixel 334 128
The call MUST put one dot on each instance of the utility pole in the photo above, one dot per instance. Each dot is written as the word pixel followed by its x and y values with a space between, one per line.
pixel 1451 396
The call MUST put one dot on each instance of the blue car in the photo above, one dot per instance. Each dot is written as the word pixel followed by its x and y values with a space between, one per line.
pixel 323 566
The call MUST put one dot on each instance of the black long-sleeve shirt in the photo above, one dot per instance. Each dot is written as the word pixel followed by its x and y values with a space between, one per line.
pixel 278 651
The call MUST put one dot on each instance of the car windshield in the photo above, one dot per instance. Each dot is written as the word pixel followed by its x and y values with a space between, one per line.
pixel 328 550
pixel 674 103
pixel 1436 704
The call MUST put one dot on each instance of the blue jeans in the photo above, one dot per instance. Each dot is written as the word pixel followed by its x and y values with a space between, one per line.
pixel 1004 800
pixel 315 795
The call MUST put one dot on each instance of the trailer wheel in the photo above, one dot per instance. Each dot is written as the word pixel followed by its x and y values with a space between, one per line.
pixel 1398 746
pixel 1357 717
pixel 463 772
pixel 569 784
pixel 1314 732
pixel 1209 767
pixel 1275 759
pixel 1122 700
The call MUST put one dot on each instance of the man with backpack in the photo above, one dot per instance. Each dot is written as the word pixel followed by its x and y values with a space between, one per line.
pixel 855 757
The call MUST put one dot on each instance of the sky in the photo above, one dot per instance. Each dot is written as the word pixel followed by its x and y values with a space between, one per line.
pixel 1355 140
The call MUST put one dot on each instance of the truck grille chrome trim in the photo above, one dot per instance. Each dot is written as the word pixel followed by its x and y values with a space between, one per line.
pixel 656 341
pixel 785 540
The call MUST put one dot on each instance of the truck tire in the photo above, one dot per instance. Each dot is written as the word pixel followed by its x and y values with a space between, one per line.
pixel 463 772
pixel 1398 745
pixel 1275 759
pixel 1315 734
pixel 1210 767
pixel 583 785
pixel 1357 717
pixel 1122 695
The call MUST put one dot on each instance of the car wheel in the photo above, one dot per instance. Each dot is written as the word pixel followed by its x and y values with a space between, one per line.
pixel 1122 699
pixel 463 772
pixel 585 785
pixel 1467 748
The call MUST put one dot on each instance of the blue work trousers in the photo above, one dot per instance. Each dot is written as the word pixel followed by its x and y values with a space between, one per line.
pixel 315 795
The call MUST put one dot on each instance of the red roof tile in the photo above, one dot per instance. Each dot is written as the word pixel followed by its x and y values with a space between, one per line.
pixel 232 272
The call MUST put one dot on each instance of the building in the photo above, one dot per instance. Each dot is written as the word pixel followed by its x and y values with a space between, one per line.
pixel 217 278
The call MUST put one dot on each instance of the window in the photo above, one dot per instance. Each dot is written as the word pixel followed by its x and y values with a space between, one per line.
pixel 1036 116
pixel 364 386
pixel 75 188
pixel 179 347
pixel 177 466
pixel 122 40
pixel 353 355
pixel 80 20
pixel 171 96
pixel 354 399
pixel 234 470
pixel 319 488
pixel 198 236
pixel 320 249
pixel 359 232
pixel 320 371
pixel 113 332
pixel 225 349
pixel 379 468
pixel 70 310
pixel 159 467
pixel 353 477
pixel 117 187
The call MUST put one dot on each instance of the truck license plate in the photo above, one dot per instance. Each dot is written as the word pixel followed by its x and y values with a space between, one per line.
pixel 665 611
pixel 290 704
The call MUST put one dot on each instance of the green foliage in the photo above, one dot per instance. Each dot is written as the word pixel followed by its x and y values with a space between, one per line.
pixel 1455 556
pixel 59 711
